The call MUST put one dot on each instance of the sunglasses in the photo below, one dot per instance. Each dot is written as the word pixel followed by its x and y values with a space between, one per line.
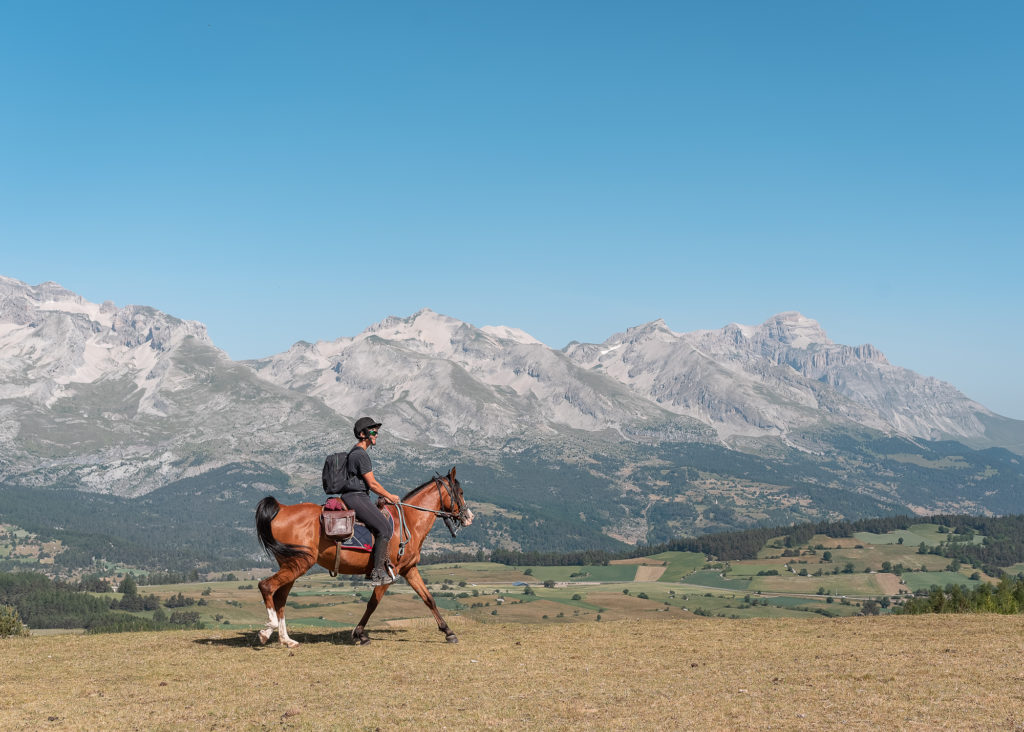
pixel 371 433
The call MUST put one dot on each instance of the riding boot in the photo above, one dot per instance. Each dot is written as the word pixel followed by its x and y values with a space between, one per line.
pixel 381 573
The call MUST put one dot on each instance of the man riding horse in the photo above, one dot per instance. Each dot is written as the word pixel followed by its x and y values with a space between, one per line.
pixel 355 492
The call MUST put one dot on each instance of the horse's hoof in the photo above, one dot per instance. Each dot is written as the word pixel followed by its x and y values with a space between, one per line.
pixel 451 638
pixel 360 639
pixel 290 643
pixel 264 636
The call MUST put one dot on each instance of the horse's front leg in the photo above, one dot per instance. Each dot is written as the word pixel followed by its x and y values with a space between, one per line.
pixel 358 633
pixel 412 576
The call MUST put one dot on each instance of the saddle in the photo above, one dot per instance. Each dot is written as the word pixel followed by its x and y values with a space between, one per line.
pixel 339 524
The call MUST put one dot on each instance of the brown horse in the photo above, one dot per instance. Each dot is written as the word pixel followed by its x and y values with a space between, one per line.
pixel 292 535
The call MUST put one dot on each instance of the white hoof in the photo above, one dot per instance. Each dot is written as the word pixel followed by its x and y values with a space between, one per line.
pixel 289 643
pixel 264 635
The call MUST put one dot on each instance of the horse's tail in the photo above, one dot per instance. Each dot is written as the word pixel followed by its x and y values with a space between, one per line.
pixel 266 510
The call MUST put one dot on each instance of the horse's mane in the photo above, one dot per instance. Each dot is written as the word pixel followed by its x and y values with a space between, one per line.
pixel 417 489
pixel 420 487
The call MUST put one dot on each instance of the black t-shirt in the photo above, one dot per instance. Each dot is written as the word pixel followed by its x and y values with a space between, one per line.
pixel 357 465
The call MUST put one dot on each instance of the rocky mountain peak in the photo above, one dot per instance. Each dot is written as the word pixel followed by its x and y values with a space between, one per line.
pixel 424 330
pixel 793 329
pixel 654 330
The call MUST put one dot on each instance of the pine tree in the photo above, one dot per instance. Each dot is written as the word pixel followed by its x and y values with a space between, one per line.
pixel 128 587
pixel 10 621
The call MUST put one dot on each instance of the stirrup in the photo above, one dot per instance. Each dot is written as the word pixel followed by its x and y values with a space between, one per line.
pixel 380 577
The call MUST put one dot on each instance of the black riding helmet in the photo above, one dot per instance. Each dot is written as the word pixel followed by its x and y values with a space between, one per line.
pixel 363 424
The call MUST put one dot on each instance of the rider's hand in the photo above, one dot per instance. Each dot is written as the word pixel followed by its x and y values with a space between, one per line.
pixel 392 498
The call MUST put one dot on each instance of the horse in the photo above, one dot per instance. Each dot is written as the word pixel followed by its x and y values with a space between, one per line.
pixel 292 535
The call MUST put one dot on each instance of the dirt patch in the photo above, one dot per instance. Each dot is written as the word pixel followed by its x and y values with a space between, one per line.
pixel 889 583
pixel 647 573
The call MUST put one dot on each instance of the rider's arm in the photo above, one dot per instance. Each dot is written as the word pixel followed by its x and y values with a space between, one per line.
pixel 377 488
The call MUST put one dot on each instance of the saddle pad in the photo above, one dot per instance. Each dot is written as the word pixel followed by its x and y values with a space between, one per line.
pixel 362 540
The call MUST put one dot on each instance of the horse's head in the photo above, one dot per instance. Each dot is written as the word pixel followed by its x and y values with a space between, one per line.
pixel 453 502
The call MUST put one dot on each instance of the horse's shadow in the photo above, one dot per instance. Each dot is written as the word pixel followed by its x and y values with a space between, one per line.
pixel 249 638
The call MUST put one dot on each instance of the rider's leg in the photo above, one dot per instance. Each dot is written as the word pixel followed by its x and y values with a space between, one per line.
pixel 380 527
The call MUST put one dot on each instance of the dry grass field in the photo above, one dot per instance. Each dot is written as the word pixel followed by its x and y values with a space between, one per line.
pixel 914 673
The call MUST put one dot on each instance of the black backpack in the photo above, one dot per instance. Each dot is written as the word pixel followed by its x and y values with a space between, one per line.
pixel 335 474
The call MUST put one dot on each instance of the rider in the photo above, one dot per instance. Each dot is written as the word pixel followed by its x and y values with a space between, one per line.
pixel 356 495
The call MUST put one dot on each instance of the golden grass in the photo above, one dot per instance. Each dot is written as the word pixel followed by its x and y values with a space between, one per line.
pixel 855 585
pixel 645 573
pixel 889 672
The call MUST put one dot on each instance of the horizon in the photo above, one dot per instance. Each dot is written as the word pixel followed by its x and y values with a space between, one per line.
pixel 286 174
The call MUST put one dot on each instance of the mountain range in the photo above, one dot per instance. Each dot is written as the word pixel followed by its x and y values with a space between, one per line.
pixel 131 400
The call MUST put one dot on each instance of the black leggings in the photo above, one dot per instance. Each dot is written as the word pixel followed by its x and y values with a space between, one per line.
pixel 367 512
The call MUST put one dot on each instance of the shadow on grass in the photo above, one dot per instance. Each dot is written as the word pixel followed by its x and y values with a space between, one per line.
pixel 249 638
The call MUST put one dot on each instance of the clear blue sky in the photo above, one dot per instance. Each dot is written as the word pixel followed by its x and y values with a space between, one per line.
pixel 285 171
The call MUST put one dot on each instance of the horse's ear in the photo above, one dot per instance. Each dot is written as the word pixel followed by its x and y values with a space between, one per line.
pixel 452 473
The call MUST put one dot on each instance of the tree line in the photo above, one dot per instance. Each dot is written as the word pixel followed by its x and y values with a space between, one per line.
pixel 1003 544
pixel 1006 598
pixel 43 603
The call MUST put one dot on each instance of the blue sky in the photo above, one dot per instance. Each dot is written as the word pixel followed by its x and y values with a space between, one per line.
pixel 287 171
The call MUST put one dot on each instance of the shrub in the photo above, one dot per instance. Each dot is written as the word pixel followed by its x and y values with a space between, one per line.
pixel 185 617
pixel 10 621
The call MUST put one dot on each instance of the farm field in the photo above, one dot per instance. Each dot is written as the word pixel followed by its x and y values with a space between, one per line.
pixel 892 672
pixel 823 577
pixel 924 580
pixel 913 536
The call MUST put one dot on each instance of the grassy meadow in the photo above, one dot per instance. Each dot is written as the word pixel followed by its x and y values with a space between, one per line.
pixel 669 641
pixel 893 672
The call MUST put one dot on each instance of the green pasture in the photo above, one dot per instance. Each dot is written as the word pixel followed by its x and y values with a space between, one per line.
pixel 679 564
pixel 893 537
pixel 924 580
pixel 928 533
pixel 751 568
pixel 873 555
pixel 1015 569
pixel 768 550
pixel 591 573
pixel 712 578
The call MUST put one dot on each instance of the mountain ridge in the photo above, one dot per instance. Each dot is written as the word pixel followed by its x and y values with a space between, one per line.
pixel 645 435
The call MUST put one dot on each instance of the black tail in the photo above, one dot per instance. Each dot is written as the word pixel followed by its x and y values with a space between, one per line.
pixel 265 513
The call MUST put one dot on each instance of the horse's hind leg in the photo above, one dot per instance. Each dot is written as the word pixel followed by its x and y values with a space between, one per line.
pixel 412 576
pixel 280 598
pixel 358 633
pixel 275 590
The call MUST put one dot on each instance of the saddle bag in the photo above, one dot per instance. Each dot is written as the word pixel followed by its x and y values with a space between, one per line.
pixel 337 520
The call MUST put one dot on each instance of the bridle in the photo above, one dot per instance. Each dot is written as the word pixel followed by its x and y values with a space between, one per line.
pixel 453 520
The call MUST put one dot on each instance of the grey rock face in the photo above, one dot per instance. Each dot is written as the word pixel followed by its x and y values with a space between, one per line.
pixel 128 399
pixel 779 377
